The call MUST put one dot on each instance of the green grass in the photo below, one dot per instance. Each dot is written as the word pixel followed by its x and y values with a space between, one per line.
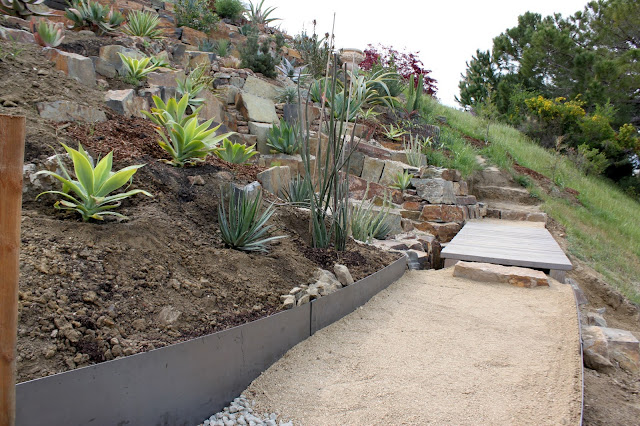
pixel 604 232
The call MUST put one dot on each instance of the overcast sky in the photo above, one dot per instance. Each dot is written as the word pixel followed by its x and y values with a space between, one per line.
pixel 446 33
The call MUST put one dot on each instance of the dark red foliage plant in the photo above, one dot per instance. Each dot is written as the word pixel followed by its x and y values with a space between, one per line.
pixel 405 63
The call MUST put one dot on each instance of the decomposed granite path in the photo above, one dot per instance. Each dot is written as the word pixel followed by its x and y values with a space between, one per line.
pixel 434 349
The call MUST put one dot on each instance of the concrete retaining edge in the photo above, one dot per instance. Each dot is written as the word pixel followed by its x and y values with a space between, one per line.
pixel 184 383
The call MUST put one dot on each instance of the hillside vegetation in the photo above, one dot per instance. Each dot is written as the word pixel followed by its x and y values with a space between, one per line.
pixel 603 231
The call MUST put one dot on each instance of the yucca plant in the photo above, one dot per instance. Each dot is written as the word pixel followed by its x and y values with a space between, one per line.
pixel 137 69
pixel 20 8
pixel 367 223
pixel 298 193
pixel 94 16
pixel 92 185
pixel 171 111
pixel 394 133
pixel 284 138
pixel 193 84
pixel 46 33
pixel 257 15
pixel 413 150
pixel 235 153
pixel 402 180
pixel 241 224
pixel 142 24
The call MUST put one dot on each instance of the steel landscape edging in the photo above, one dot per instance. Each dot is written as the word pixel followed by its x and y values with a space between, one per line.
pixel 184 383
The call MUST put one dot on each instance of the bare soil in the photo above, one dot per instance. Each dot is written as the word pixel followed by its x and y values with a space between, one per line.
pixel 91 292
pixel 434 349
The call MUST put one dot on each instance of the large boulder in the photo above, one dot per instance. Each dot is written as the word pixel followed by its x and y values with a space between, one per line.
pixel 261 88
pixel 70 111
pixel 435 191
pixel 391 170
pixel 372 169
pixel 443 231
pixel 18 36
pixel 488 272
pixel 443 213
pixel 75 66
pixel 606 347
pixel 255 108
pixel 165 79
pixel 125 102
pixel 261 130
pixel 275 179
pixel 213 108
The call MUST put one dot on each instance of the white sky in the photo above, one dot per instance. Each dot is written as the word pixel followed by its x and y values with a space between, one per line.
pixel 445 32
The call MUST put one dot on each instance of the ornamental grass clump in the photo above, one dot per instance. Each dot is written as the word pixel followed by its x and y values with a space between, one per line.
pixel 92 185
pixel 241 224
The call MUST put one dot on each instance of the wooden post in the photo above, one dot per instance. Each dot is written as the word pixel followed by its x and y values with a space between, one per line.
pixel 12 133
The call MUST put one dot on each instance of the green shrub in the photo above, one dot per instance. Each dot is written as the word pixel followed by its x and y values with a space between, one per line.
pixel 93 185
pixel 235 153
pixel 314 51
pixel 195 14
pixel 231 9
pixel 284 138
pixel 93 16
pixel 142 24
pixel 258 58
pixel 241 225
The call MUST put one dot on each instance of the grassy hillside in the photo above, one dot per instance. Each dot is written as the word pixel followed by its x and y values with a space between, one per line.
pixel 604 232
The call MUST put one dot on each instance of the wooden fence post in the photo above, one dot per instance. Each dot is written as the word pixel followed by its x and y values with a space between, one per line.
pixel 12 133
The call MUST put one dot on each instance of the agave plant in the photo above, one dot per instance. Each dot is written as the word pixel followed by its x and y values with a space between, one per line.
pixel 394 133
pixel 298 193
pixel 259 16
pixel 241 225
pixel 189 143
pixel 193 84
pixel 46 33
pixel 402 180
pixel 346 108
pixel 247 29
pixel 235 153
pixel 284 138
pixel 367 223
pixel 93 15
pixel 296 74
pixel 172 111
pixel 20 8
pixel 142 24
pixel 92 186
pixel 287 95
pixel 137 69
pixel 413 149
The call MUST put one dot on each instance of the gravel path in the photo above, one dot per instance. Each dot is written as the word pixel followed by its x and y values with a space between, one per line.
pixel 434 349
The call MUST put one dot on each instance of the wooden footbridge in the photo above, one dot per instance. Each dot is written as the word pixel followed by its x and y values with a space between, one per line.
pixel 526 244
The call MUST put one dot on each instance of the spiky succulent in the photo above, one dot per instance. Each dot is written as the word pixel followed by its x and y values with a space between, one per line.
pixel 402 180
pixel 235 153
pixel 284 138
pixel 93 15
pixel 46 33
pixel 20 8
pixel 137 69
pixel 92 185
pixel 142 24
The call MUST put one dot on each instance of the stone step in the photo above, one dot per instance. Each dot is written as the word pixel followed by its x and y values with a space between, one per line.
pixel 512 214
pixel 488 272
pixel 507 194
